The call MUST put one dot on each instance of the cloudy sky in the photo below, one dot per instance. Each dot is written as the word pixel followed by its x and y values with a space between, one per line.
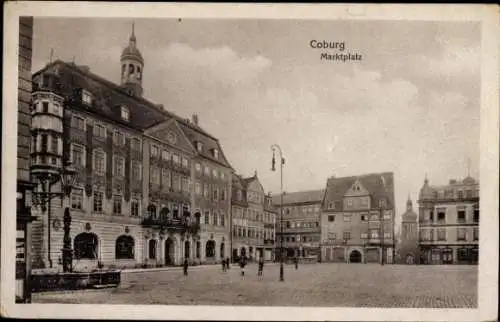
pixel 410 106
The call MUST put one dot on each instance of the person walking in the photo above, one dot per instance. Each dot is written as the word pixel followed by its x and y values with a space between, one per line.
pixel 185 266
pixel 227 263
pixel 223 262
pixel 296 260
pixel 261 266
pixel 242 265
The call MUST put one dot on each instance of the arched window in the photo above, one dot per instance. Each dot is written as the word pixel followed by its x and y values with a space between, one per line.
pixel 85 246
pixel 198 218
pixel 138 73
pixel 130 69
pixel 152 211
pixel 152 249
pixel 124 248
pixel 210 249
pixel 123 69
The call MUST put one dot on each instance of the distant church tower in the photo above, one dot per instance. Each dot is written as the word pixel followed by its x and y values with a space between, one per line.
pixel 132 67
pixel 409 235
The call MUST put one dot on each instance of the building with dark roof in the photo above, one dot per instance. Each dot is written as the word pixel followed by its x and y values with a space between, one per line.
pixel 357 220
pixel 152 188
pixel 448 222
pixel 300 223
pixel 253 220
pixel 407 248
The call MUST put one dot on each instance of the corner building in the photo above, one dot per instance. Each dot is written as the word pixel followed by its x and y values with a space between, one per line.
pixel 253 220
pixel 151 187
pixel 301 224
pixel 448 221
pixel 357 220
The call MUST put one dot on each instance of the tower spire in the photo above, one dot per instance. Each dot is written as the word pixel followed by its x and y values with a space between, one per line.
pixel 132 36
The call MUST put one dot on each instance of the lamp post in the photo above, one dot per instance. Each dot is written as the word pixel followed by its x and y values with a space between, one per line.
pixel 275 147
pixel 47 177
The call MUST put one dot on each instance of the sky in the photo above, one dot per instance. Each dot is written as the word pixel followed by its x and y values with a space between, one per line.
pixel 411 106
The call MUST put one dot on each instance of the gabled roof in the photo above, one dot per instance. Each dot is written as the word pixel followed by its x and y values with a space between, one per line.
pixel 143 113
pixel 336 188
pixel 299 197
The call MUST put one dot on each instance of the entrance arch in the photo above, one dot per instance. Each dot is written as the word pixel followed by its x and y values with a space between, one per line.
pixel 169 251
pixel 210 249
pixel 355 257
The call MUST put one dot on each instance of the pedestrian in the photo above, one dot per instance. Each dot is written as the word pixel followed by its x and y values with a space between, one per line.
pixel 227 263
pixel 185 266
pixel 223 262
pixel 296 262
pixel 261 266
pixel 242 266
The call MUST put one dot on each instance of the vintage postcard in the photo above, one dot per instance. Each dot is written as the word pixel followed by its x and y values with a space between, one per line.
pixel 250 161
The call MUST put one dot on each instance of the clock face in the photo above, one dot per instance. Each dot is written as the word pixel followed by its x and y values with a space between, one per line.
pixel 171 137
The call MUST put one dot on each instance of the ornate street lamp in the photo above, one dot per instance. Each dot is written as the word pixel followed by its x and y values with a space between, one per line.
pixel 275 147
pixel 47 177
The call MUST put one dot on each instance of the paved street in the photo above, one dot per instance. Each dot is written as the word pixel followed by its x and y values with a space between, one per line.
pixel 330 285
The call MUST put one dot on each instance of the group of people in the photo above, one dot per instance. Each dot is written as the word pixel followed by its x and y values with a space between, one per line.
pixel 243 261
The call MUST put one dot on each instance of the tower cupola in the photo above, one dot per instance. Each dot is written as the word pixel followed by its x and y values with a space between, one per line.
pixel 132 67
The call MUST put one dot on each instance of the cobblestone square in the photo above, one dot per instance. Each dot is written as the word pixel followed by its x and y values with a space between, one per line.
pixel 327 285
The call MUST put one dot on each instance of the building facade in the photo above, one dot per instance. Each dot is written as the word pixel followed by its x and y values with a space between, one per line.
pixel 357 220
pixel 300 224
pixel 24 185
pixel 151 187
pixel 448 221
pixel 408 244
pixel 253 220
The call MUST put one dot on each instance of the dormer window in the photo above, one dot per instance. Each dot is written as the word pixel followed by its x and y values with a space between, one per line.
pixel 86 97
pixel 381 203
pixel 216 153
pixel 125 114
pixel 199 146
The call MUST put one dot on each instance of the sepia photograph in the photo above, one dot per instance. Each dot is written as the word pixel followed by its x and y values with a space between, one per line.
pixel 236 163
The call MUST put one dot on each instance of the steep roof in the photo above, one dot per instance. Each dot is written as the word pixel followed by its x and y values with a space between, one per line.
pixel 298 197
pixel 373 183
pixel 108 96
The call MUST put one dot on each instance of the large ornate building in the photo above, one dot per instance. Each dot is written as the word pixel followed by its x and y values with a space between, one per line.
pixel 151 189
pixel 253 220
pixel 449 222
pixel 300 224
pixel 357 220
pixel 408 244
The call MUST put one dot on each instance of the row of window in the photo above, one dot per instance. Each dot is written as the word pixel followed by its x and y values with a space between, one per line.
pixel 302 224
pixel 167 155
pixel 46 143
pixel 206 171
pixel 254 215
pixel 359 202
pixel 252 232
pixel 363 217
pixel 100 131
pixel 370 234
pixel 47 107
pixel 218 194
pixel 456 194
pixel 440 216
pixel 441 234
pixel 167 178
pixel 301 209
pixel 98 203
pixel 298 238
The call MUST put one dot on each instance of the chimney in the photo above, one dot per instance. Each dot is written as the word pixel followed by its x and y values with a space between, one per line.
pixel 195 119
